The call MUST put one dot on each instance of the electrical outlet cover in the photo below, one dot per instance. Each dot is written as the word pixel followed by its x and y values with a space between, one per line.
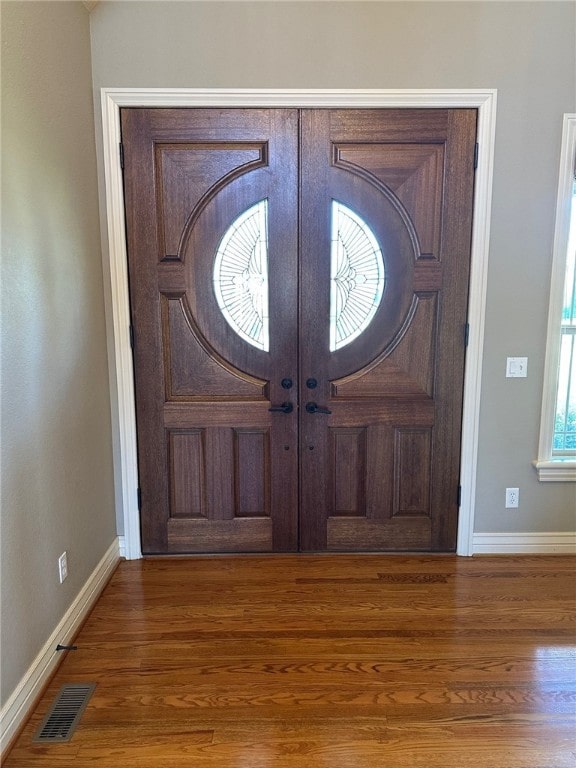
pixel 512 497
pixel 63 566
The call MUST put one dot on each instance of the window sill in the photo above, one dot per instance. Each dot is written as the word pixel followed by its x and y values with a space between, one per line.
pixel 560 471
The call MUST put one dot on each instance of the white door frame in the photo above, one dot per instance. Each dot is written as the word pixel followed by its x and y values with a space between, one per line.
pixel 116 264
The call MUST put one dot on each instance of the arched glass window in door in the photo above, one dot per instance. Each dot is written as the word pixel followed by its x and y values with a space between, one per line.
pixel 241 275
pixel 357 276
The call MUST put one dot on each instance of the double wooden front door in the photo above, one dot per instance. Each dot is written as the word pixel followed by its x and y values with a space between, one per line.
pixel 298 285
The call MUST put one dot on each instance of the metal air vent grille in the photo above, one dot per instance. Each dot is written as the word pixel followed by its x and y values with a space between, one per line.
pixel 65 713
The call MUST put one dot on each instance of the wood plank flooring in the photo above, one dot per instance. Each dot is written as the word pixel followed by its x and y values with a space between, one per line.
pixel 324 661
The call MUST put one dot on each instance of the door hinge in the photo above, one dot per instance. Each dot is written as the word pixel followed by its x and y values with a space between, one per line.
pixel 466 333
pixel 476 153
pixel 121 150
pixel 139 495
pixel 459 495
pixel 131 332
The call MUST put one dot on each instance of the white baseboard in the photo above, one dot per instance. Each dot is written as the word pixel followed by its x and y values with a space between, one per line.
pixel 17 708
pixel 524 543
pixel 122 546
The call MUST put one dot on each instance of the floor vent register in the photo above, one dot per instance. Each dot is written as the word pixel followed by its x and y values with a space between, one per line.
pixel 64 715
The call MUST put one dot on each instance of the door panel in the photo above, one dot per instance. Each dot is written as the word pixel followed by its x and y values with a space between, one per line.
pixel 206 439
pixel 388 450
pixel 367 456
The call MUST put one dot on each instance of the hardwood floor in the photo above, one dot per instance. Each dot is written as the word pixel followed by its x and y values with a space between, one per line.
pixel 324 661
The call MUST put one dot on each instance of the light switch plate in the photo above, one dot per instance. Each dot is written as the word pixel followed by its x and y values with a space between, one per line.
pixel 516 367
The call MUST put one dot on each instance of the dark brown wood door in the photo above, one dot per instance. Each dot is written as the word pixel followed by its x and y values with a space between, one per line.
pixel 298 284
pixel 381 471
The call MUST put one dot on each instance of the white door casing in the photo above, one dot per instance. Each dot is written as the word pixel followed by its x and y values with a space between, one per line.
pixel 115 259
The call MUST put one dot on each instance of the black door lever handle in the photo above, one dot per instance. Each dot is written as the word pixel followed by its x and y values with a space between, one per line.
pixel 314 408
pixel 284 408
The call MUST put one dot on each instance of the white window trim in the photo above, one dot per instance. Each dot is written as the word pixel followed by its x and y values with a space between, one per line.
pixel 548 468
pixel 115 259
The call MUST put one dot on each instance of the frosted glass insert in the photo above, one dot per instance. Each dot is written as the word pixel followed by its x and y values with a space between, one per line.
pixel 357 276
pixel 241 275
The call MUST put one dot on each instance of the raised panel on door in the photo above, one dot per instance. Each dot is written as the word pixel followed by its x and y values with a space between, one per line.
pixel 408 175
pixel 218 469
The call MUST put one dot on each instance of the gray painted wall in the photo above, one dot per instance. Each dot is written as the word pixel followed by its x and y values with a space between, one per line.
pixel 525 50
pixel 57 491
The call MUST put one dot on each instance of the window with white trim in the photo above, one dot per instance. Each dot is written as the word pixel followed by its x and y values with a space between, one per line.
pixel 557 449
